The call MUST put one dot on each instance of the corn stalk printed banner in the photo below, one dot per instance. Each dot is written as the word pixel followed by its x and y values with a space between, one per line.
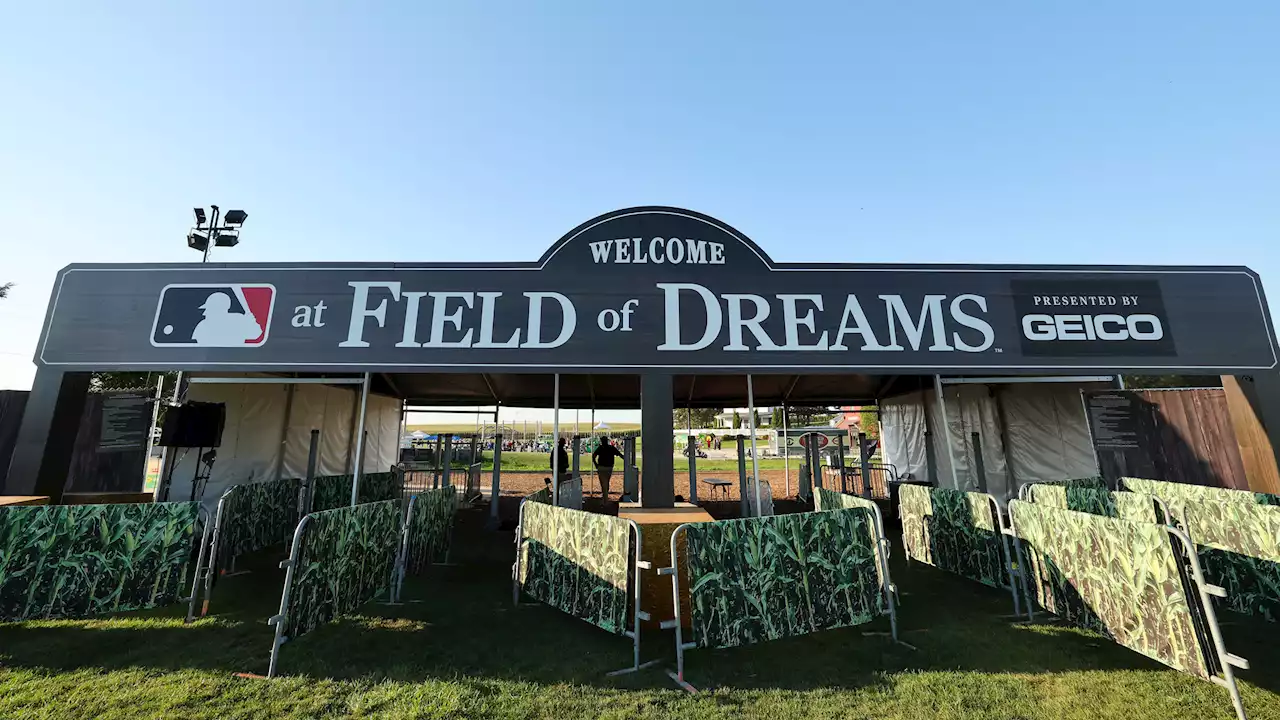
pixel 1179 494
pixel 1239 548
pixel 576 562
pixel 431 528
pixel 766 578
pixel 1117 577
pixel 256 516
pixel 73 561
pixel 1134 507
pixel 334 491
pixel 346 557
pixel 953 531
pixel 825 500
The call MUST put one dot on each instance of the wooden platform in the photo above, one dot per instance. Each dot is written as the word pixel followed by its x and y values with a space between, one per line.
pixel 24 500
pixel 656 526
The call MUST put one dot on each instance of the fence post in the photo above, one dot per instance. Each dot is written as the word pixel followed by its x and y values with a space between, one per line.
pixel 866 465
pixel 309 485
pixel 742 477
pixel 495 489
pixel 693 469
pixel 446 460
pixel 979 465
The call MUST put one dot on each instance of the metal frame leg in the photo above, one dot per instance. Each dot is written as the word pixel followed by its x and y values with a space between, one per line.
pixel 202 568
pixel 1227 660
pixel 1024 565
pixel 639 614
pixel 1008 559
pixel 278 620
pixel 403 558
pixel 681 645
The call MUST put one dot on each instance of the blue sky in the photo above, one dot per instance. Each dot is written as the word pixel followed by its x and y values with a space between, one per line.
pixel 908 132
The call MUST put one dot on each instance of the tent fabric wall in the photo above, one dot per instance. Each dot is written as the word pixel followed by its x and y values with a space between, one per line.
pixel 1048 435
pixel 251 441
pixel 902 428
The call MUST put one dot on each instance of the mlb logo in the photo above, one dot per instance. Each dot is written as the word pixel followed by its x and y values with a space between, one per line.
pixel 213 316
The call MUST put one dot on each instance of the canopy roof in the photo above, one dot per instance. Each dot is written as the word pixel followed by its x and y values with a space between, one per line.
pixel 616 391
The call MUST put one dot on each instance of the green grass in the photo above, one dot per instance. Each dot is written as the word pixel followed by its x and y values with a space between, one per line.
pixel 457 648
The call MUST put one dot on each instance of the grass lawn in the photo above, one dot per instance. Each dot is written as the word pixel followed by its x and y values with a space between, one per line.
pixel 459 649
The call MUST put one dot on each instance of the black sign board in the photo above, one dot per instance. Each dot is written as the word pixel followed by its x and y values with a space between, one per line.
pixel 657 289
pixel 1113 420
pixel 126 420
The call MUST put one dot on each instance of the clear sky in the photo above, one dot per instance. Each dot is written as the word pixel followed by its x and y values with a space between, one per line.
pixel 1136 132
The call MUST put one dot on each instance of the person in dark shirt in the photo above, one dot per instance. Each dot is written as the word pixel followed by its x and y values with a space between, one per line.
pixel 603 460
pixel 562 456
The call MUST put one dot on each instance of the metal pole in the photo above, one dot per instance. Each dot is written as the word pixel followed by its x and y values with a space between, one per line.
pixel 786 450
pixel 496 488
pixel 404 426
pixel 946 431
pixel 555 448
pixel 364 406
pixel 284 430
pixel 743 507
pixel 755 456
pixel 693 469
pixel 308 489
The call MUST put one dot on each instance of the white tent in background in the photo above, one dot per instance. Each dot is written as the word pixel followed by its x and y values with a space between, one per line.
pixel 602 425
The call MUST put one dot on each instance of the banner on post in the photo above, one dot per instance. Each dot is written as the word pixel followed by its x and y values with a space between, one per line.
pixel 766 578
pixel 576 562
pixel 73 561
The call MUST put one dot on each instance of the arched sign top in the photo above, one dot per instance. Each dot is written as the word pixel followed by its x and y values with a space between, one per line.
pixel 660 238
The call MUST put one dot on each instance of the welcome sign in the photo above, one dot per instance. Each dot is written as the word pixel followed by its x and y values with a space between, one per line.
pixel 657 289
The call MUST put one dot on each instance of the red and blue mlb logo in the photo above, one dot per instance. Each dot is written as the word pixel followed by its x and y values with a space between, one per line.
pixel 191 315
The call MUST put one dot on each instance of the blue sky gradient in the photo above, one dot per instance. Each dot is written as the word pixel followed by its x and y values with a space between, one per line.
pixel 851 132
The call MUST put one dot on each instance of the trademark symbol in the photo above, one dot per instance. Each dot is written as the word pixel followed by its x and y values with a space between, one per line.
pixel 999 350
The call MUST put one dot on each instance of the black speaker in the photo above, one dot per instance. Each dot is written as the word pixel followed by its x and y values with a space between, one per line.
pixel 194 424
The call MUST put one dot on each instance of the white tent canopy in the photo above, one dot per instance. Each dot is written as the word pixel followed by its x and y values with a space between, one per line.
pixel 268 434
pixel 1028 432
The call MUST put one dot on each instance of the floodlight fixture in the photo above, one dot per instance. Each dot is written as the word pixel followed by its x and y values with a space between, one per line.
pixel 197 240
pixel 200 217
pixel 235 218
pixel 227 238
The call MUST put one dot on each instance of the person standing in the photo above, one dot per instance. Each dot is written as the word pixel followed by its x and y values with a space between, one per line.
pixel 602 458
pixel 560 460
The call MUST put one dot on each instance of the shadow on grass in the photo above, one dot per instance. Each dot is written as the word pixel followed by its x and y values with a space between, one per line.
pixel 458 623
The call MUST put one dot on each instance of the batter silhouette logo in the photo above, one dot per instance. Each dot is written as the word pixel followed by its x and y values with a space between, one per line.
pixel 222 316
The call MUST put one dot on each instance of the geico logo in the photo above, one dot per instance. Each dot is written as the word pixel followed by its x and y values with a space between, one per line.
pixel 1092 327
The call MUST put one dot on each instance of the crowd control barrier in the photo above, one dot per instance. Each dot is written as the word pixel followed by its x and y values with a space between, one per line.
pixel 577 562
pixel 1237 537
pixel 1126 580
pixel 334 491
pixel 960 532
pixel 764 578
pixel 77 561
pixel 339 560
pixel 1135 507
pixel 253 517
